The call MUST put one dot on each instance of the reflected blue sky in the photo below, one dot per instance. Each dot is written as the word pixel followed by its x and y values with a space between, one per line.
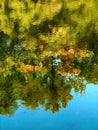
pixel 81 114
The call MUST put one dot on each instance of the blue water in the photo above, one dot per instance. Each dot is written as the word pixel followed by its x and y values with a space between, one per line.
pixel 81 114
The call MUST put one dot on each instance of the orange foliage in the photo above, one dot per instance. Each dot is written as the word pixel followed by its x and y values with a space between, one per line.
pixel 27 68
pixel 64 73
pixel 68 52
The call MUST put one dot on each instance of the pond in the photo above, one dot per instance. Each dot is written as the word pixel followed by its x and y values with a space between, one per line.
pixel 48 65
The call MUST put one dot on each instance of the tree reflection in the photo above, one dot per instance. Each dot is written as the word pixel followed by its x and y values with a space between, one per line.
pixel 8 98
pixel 51 90
pixel 49 85
pixel 47 48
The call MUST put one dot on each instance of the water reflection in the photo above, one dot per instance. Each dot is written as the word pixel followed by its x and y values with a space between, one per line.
pixel 51 90
pixel 46 49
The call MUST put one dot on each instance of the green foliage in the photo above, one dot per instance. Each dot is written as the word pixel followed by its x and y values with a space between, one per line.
pixel 6 66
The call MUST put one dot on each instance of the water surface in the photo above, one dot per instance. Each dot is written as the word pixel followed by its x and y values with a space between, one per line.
pixel 81 114
pixel 48 64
